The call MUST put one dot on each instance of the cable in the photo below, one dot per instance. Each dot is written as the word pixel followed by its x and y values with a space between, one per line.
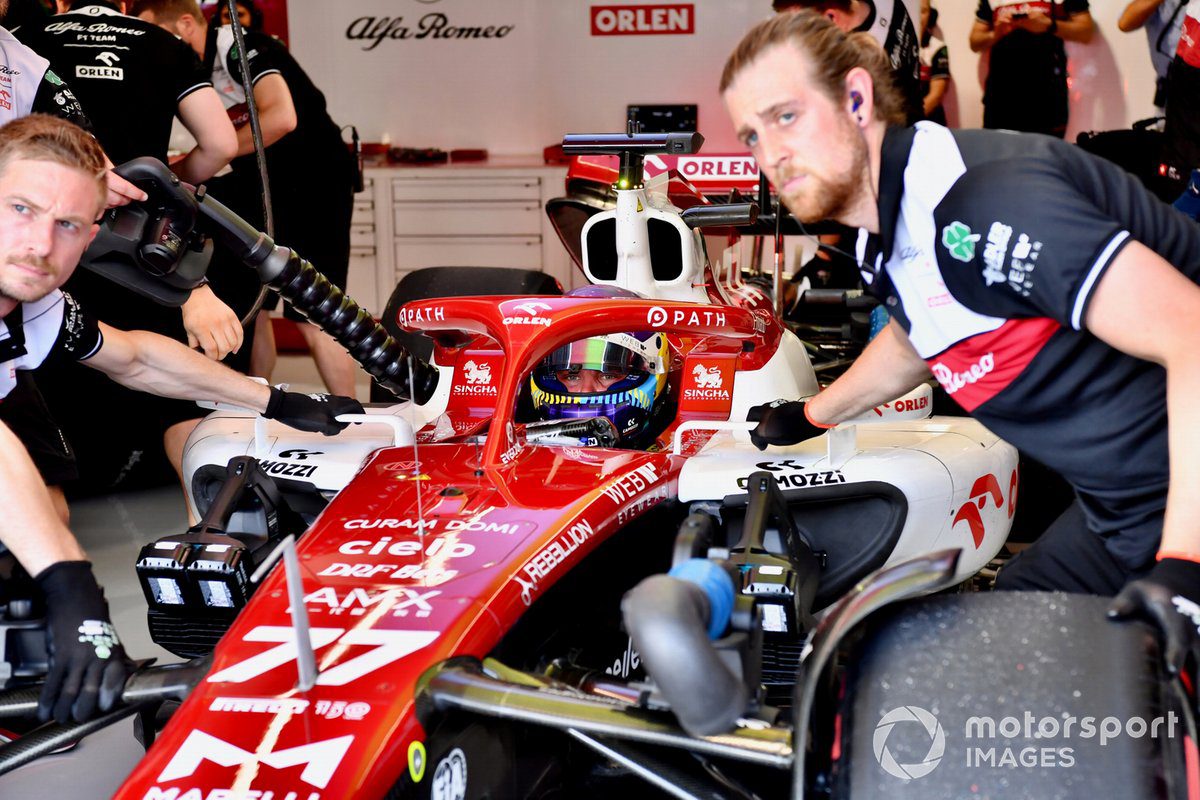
pixel 260 150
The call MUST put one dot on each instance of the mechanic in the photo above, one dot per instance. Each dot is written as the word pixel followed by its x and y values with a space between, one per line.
pixel 134 84
pixel 51 191
pixel 896 33
pixel 311 171
pixel 88 666
pixel 620 376
pixel 1163 21
pixel 1054 322
pixel 1026 86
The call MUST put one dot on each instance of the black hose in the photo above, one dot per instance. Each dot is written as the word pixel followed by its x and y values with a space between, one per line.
pixel 668 620
pixel 328 307
pixel 49 738
pixel 321 302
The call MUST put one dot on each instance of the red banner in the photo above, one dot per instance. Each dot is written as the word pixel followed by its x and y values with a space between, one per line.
pixel 654 20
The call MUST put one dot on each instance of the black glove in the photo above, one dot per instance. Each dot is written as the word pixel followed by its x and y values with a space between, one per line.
pixel 782 422
pixel 88 665
pixel 1169 597
pixel 316 413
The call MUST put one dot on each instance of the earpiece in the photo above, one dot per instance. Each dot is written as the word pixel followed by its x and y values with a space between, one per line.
pixel 857 99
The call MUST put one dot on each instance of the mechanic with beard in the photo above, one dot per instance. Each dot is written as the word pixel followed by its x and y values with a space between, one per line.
pixel 311 171
pixel 134 84
pixel 896 33
pixel 52 188
pixel 1056 322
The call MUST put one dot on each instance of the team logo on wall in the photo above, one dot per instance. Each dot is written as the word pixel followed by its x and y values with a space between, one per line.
pixel 650 20
pixel 433 25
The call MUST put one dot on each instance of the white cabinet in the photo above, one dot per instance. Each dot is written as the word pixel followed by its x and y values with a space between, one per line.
pixel 478 215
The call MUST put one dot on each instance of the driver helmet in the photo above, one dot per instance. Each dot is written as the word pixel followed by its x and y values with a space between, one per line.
pixel 638 362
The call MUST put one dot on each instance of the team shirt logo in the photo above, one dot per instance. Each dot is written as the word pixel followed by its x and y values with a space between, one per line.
pixel 958 239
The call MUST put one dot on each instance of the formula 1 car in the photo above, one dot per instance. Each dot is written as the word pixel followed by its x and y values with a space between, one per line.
pixel 474 608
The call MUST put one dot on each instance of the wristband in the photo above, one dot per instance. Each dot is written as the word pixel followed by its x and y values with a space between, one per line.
pixel 1178 555
pixel 813 422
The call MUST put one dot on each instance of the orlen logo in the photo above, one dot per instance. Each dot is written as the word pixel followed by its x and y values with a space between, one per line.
pixel 699 169
pixel 953 381
pixel 644 20
pixel 531 317
pixel 985 489
pixel 902 406
pixel 320 759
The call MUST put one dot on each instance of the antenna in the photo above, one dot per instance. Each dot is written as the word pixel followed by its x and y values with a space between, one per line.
pixel 416 457
pixel 306 657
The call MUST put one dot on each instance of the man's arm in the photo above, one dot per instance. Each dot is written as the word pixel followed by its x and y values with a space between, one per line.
pixel 152 363
pixel 203 115
pixel 1136 13
pixel 887 368
pixel 1145 307
pixel 937 91
pixel 984 35
pixel 32 529
pixel 276 113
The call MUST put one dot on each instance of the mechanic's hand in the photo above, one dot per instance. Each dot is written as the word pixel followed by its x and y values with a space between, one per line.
pixel 310 412
pixel 1168 598
pixel 210 324
pixel 1036 22
pixel 782 422
pixel 88 665
pixel 120 191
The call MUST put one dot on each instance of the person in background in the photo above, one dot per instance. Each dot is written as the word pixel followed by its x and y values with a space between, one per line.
pixel 935 66
pixel 1026 87
pixel 891 23
pixel 310 168
pixel 1163 22
pixel 135 86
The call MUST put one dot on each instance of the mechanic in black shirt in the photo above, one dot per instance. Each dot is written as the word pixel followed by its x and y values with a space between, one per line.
pixel 1026 88
pixel 1036 283
pixel 311 171
pixel 135 78
pixel 891 23
pixel 52 188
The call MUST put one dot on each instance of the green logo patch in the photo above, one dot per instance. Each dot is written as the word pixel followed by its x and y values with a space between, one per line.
pixel 52 78
pixel 959 240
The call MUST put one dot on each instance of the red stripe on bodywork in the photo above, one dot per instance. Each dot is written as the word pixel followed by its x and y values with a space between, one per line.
pixel 977 369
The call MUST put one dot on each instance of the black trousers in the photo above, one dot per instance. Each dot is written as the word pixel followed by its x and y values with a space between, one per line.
pixel 1068 557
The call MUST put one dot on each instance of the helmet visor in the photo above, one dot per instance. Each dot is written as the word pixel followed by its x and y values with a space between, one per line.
pixel 617 353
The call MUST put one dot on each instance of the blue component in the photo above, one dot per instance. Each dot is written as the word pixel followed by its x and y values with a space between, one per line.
pixel 1189 201
pixel 879 321
pixel 717 585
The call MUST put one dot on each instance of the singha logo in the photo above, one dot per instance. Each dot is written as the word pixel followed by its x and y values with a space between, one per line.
pixel 478 373
pixel 709 378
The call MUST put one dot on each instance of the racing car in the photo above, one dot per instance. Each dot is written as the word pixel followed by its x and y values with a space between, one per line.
pixel 474 605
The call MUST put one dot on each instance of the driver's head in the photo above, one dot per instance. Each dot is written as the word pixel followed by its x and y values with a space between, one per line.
pixel 52 190
pixel 810 101
pixel 622 376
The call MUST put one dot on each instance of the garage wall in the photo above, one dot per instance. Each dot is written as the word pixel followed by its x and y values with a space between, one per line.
pixel 536 71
